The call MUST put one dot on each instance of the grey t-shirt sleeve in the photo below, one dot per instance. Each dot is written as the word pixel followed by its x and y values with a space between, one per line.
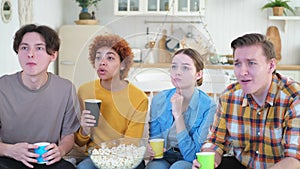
pixel 72 114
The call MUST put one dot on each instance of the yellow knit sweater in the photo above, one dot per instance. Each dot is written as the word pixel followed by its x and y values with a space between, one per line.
pixel 123 113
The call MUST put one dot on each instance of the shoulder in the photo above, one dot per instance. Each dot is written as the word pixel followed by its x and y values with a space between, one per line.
pixel 59 80
pixel 232 94
pixel 87 85
pixel 286 85
pixel 136 91
pixel 202 94
pixel 232 89
pixel 164 95
pixel 201 101
pixel 8 80
pixel 5 78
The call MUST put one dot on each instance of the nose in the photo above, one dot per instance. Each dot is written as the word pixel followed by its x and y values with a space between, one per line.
pixel 244 70
pixel 102 62
pixel 30 53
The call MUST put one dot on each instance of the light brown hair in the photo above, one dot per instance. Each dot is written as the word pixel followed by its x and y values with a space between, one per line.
pixel 197 59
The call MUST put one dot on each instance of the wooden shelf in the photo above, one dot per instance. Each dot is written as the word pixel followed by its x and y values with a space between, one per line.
pixel 285 18
pixel 167 65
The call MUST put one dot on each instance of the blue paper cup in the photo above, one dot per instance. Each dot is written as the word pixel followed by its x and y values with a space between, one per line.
pixel 41 150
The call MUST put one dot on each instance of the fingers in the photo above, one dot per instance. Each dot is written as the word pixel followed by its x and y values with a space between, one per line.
pixel 27 164
pixel 23 152
pixel 196 164
pixel 28 158
pixel 53 155
pixel 87 120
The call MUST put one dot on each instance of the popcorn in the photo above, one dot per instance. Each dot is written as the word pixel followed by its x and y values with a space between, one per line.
pixel 120 157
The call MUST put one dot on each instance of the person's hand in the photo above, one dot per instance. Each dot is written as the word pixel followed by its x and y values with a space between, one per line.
pixel 176 101
pixel 196 164
pixel 151 152
pixel 218 157
pixel 23 152
pixel 53 155
pixel 87 121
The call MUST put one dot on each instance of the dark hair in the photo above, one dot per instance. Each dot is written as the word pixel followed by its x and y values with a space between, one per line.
pixel 197 59
pixel 254 39
pixel 119 45
pixel 50 36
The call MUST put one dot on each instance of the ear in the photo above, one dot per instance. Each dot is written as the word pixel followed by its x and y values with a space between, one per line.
pixel 53 56
pixel 273 63
pixel 122 66
pixel 199 75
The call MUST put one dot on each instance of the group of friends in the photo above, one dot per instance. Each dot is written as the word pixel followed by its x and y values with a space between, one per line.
pixel 256 118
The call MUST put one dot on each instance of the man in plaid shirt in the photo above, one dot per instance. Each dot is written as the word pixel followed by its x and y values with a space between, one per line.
pixel 259 116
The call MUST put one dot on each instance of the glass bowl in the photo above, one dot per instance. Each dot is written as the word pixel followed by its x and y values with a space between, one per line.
pixel 125 153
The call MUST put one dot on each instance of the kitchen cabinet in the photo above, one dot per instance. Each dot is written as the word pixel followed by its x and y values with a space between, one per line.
pixel 159 7
pixel 73 63
pixel 128 7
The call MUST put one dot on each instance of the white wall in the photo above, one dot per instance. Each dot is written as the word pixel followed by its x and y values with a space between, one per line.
pixel 226 19
pixel 48 12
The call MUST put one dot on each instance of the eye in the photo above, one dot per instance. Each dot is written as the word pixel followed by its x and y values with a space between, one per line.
pixel 186 68
pixel 40 48
pixel 98 58
pixel 173 67
pixel 252 63
pixel 110 58
pixel 23 48
pixel 237 64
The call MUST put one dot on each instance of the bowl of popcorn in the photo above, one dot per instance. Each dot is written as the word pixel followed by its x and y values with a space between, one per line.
pixel 125 153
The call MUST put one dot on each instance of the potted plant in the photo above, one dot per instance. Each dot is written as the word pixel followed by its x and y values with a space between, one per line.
pixel 85 4
pixel 279 7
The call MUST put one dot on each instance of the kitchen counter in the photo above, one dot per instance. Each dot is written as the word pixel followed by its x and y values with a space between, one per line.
pixel 217 66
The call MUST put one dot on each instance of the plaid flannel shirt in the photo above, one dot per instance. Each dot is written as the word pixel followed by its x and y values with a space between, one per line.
pixel 259 135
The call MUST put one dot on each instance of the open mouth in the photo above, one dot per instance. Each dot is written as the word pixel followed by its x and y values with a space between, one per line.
pixel 101 71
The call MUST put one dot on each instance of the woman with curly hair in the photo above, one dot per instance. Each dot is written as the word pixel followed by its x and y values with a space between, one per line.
pixel 124 106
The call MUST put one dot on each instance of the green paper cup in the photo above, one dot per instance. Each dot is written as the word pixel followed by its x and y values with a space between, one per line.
pixel 206 160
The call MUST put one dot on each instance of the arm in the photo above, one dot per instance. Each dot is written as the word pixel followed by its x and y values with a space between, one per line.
pixel 55 152
pixel 87 121
pixel 292 138
pixel 156 110
pixel 191 144
pixel 293 163
pixel 66 144
pixel 137 122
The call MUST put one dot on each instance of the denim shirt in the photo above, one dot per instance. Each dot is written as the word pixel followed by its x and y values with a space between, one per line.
pixel 198 119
